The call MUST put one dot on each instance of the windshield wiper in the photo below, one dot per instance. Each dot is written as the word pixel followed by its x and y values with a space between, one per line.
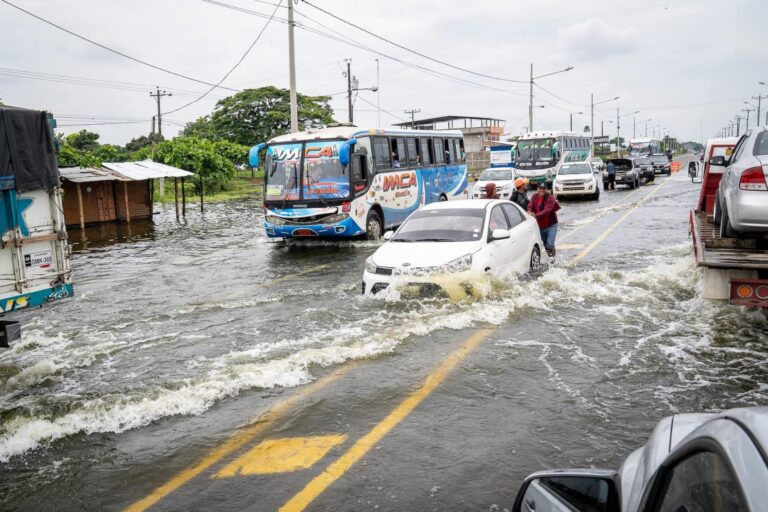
pixel 404 240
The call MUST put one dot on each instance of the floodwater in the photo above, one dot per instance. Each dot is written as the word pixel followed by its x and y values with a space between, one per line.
pixel 179 334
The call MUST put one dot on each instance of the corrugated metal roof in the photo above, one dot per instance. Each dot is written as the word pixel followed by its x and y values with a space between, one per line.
pixel 145 170
pixel 88 174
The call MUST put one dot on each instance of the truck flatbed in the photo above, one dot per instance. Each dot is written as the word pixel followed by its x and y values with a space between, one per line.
pixel 732 253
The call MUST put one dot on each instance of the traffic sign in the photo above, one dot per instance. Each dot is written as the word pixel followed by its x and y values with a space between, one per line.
pixel 601 139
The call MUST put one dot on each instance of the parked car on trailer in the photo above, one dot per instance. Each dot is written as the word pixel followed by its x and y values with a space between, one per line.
pixel 691 462
pixel 741 201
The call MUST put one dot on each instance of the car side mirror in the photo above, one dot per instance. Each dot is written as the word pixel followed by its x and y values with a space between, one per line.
pixel 718 160
pixel 500 234
pixel 583 490
pixel 387 236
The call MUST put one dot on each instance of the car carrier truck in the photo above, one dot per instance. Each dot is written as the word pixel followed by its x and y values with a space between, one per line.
pixel 34 254
pixel 735 269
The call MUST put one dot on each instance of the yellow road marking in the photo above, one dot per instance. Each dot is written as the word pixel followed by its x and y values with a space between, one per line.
pixel 610 229
pixel 565 247
pixel 607 208
pixel 281 456
pixel 258 426
pixel 317 486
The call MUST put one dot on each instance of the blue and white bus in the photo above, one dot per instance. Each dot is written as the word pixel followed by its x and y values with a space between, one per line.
pixel 343 181
pixel 540 154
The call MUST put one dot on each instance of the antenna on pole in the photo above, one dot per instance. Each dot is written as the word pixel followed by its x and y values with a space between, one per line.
pixel 413 113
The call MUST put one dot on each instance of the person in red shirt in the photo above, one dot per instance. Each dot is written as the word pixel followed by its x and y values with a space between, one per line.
pixel 490 191
pixel 543 206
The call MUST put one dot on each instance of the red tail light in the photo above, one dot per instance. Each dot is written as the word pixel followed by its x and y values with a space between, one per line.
pixel 753 179
pixel 346 207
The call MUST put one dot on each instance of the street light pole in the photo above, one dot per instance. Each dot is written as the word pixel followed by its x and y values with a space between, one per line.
pixel 592 119
pixel 530 95
pixel 571 116
pixel 646 126
pixel 292 72
pixel 378 93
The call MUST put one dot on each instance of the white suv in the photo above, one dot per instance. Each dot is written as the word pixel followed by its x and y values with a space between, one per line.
pixel 576 179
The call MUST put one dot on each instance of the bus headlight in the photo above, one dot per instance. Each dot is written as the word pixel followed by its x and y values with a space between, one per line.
pixel 333 219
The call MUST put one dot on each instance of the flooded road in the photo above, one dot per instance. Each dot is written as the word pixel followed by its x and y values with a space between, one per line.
pixel 196 361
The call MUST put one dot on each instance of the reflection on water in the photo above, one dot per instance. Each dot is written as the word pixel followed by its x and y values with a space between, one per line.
pixel 110 233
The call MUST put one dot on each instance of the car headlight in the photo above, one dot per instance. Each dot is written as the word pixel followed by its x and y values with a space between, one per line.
pixel 458 265
pixel 370 266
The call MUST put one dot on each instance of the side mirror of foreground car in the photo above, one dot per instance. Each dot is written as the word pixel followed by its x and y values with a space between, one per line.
pixel 500 234
pixel 569 489
pixel 388 235
pixel 718 160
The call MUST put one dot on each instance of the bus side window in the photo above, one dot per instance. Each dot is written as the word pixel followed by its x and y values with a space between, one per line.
pixel 437 145
pixel 359 170
pixel 414 158
pixel 460 148
pixel 450 154
pixel 381 154
pixel 425 152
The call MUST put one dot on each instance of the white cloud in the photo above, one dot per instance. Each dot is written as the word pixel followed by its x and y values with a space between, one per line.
pixel 596 39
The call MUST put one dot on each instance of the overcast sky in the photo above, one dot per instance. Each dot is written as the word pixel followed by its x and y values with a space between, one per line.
pixel 687 65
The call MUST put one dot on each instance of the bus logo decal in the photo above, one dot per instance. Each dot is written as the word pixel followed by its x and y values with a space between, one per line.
pixel 399 181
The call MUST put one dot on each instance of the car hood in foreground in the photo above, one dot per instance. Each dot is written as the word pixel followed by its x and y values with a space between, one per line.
pixel 422 254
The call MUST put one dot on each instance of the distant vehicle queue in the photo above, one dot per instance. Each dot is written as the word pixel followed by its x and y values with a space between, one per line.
pixel 347 182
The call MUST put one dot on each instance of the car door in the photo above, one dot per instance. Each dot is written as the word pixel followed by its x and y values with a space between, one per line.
pixel 717 468
pixel 500 253
pixel 521 233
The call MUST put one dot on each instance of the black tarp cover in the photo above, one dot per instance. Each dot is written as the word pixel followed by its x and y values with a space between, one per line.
pixel 26 149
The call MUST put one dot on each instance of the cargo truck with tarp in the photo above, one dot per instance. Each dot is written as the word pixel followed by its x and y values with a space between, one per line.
pixel 34 255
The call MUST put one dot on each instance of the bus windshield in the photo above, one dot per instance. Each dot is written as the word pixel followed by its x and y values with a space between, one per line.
pixel 636 149
pixel 534 153
pixel 319 173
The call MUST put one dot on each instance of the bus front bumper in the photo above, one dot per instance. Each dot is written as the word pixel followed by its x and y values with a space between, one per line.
pixel 345 229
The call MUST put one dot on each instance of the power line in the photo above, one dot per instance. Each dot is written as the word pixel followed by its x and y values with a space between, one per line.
pixel 412 50
pixel 560 98
pixel 116 52
pixel 385 111
pixel 344 39
pixel 242 58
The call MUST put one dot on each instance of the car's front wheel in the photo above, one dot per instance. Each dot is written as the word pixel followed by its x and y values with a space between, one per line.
pixel 374 227
pixel 535 258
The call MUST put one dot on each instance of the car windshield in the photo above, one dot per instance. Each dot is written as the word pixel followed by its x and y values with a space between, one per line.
pixel 496 175
pixel 642 161
pixel 536 152
pixel 322 176
pixel 442 225
pixel 574 169
pixel 659 160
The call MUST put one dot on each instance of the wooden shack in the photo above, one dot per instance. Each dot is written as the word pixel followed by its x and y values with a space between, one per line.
pixel 115 192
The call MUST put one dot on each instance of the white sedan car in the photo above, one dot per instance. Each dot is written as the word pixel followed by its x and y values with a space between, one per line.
pixel 502 177
pixel 455 246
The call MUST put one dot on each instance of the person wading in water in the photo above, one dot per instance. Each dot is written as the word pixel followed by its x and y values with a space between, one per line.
pixel 543 206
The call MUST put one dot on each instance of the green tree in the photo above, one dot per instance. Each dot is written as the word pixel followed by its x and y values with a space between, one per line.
pixel 256 115
pixel 83 140
pixel 143 141
pixel 201 157
pixel 68 156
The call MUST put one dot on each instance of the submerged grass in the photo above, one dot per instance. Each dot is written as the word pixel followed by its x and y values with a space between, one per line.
pixel 238 188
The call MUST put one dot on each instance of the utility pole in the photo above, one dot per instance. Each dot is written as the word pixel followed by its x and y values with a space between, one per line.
pixel 738 125
pixel 378 93
pixel 292 72
pixel 592 123
pixel 618 132
pixel 634 123
pixel 413 113
pixel 530 103
pixel 157 95
pixel 759 100
pixel 571 116
pixel 349 88
pixel 747 110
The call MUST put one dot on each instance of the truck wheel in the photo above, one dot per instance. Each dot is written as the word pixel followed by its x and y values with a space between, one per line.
pixel 605 186
pixel 726 231
pixel 443 197
pixel 596 195
pixel 632 184
pixel 374 228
